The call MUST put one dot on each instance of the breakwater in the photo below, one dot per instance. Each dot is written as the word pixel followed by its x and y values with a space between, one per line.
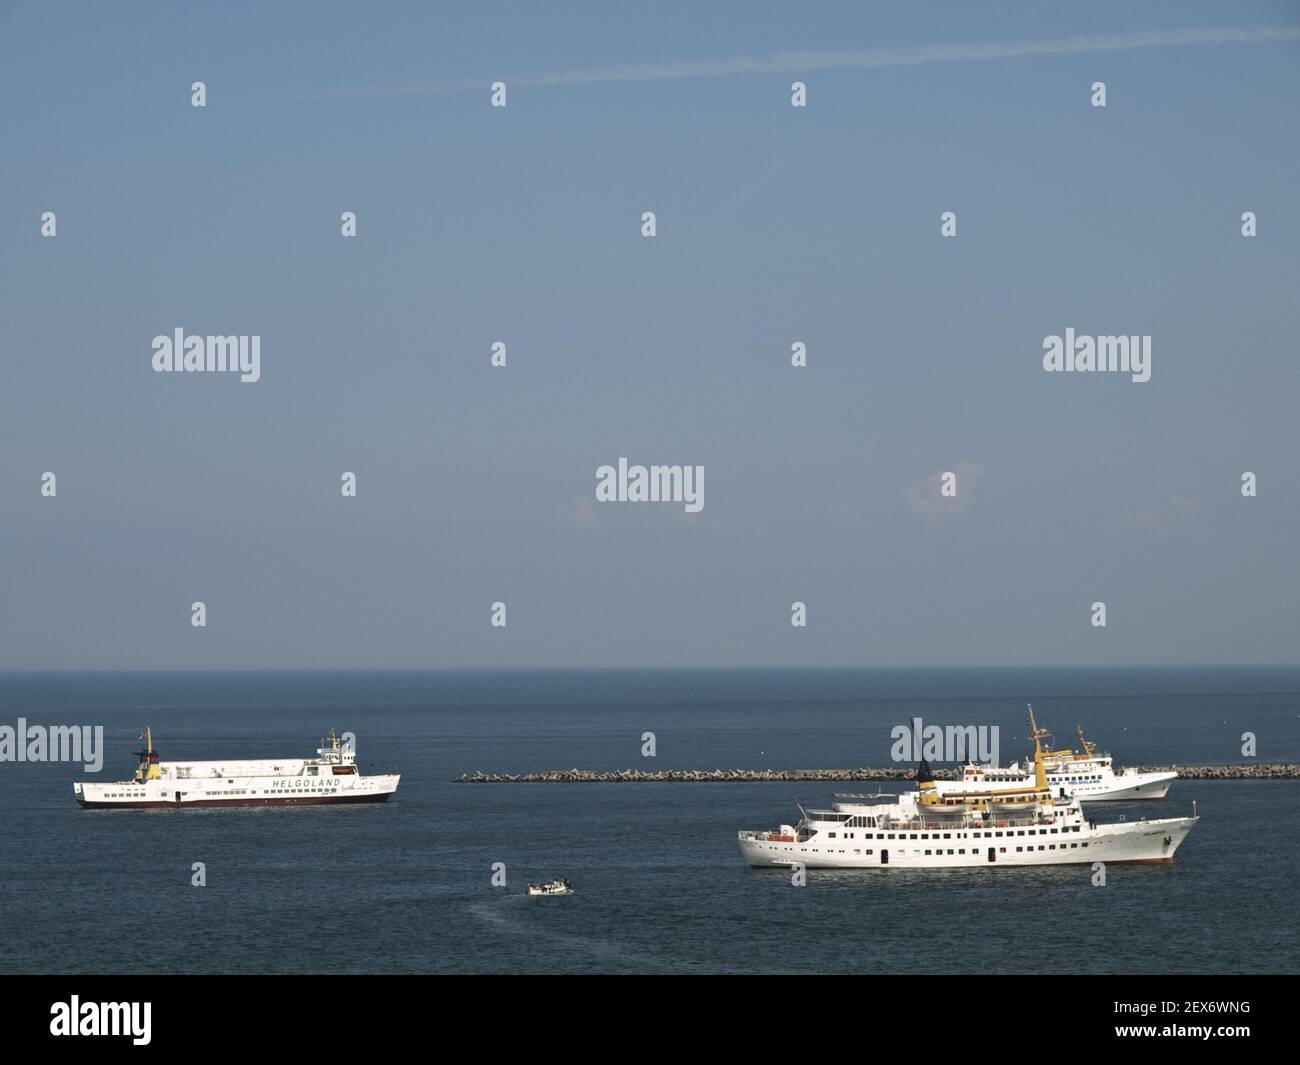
pixel 1275 771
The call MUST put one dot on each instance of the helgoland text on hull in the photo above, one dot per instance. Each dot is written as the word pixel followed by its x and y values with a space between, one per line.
pixel 1016 826
pixel 331 777
pixel 1084 775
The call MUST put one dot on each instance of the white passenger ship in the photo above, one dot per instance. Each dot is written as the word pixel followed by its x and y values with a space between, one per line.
pixel 331 777
pixel 922 829
pixel 1089 776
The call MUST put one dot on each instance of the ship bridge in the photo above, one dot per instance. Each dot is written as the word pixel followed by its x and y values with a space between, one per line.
pixel 333 751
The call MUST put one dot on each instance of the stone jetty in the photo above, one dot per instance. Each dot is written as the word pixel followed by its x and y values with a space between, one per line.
pixel 1276 771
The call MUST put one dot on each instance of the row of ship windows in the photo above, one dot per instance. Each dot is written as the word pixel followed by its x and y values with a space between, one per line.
pixel 1020 776
pixel 974 851
pixel 962 835
pixel 141 795
pixel 228 791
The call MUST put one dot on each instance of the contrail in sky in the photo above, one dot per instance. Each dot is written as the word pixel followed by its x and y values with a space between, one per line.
pixel 804 62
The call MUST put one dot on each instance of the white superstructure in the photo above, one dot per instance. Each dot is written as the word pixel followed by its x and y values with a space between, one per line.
pixel 331 777
pixel 1088 775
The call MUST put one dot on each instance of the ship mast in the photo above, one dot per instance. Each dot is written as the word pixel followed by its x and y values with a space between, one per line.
pixel 1036 733
pixel 148 768
pixel 1088 748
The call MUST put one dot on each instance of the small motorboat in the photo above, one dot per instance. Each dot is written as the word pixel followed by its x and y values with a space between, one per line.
pixel 551 887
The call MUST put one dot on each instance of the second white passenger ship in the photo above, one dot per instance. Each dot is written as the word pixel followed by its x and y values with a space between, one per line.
pixel 331 777
pixel 1088 775
pixel 923 829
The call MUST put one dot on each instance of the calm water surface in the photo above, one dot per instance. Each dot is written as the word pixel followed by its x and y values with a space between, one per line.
pixel 406 886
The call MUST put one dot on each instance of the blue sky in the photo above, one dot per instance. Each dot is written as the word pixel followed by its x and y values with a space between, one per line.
pixel 521 224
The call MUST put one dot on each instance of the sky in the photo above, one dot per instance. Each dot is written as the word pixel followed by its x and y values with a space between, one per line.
pixel 774 225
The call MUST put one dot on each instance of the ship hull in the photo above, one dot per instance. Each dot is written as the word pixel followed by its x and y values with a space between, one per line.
pixel 1152 786
pixel 183 793
pixel 1136 842
pixel 188 804
pixel 1119 787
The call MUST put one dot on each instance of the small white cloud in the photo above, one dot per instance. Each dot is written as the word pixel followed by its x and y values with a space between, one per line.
pixel 923 497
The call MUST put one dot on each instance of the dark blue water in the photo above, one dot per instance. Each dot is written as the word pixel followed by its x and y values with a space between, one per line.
pixel 405 886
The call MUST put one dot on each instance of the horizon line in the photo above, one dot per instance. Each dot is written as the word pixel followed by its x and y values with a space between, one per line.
pixel 176 670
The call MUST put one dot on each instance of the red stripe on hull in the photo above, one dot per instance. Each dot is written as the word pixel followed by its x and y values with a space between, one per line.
pixel 1090 861
pixel 296 800
pixel 1137 861
pixel 1072 861
pixel 1138 798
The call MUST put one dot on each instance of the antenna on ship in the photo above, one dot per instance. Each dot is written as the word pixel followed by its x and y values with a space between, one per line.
pixel 148 768
pixel 1088 748
pixel 1036 733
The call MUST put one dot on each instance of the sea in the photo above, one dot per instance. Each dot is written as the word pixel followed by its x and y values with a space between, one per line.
pixel 415 885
